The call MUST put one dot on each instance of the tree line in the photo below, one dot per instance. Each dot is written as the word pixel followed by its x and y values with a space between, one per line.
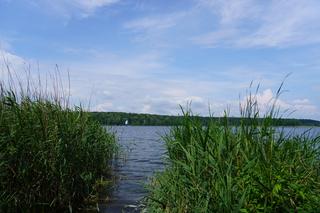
pixel 140 119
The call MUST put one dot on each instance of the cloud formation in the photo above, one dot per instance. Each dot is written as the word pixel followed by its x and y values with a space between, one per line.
pixel 249 23
pixel 151 56
pixel 122 85
pixel 266 100
pixel 73 8
pixel 234 23
pixel 11 61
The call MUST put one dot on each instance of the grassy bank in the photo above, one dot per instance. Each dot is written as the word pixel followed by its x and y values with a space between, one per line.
pixel 52 157
pixel 251 168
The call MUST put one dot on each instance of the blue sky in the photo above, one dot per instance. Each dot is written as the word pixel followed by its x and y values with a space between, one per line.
pixel 150 56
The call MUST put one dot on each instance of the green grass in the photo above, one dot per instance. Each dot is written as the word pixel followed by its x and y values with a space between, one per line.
pixel 52 157
pixel 249 168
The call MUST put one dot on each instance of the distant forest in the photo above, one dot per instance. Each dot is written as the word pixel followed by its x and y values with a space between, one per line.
pixel 137 119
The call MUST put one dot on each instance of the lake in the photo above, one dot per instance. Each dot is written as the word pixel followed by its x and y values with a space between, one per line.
pixel 142 155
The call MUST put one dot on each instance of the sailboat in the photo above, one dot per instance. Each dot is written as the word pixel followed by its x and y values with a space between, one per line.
pixel 126 122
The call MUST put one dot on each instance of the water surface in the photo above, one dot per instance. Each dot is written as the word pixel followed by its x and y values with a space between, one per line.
pixel 143 154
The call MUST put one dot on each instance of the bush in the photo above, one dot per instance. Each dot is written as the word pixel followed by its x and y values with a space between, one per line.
pixel 51 156
pixel 249 168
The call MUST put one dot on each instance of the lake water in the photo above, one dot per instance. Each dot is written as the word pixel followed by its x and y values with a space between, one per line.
pixel 143 153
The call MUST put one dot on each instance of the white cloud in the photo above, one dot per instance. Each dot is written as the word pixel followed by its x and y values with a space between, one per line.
pixel 4 44
pixel 89 6
pixel 153 28
pixel 288 23
pixel 300 108
pixel 134 84
pixel 106 106
pixel 214 39
pixel 301 101
pixel 13 62
pixel 93 4
pixel 233 23
pixel 152 23
pixel 232 11
pixel 151 95
pixel 276 23
pixel 70 8
pixel 140 65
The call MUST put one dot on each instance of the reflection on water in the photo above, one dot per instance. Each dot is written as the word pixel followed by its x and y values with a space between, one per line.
pixel 144 151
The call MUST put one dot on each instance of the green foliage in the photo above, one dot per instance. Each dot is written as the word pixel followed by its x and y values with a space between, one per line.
pixel 119 118
pixel 249 168
pixel 51 156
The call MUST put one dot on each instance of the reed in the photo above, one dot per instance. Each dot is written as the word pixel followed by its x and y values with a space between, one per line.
pixel 53 157
pixel 248 168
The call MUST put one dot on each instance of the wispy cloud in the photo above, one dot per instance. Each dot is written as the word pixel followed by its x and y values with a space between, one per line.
pixel 293 108
pixel 235 23
pixel 233 11
pixel 147 58
pixel 140 65
pixel 153 27
pixel 288 23
pixel 11 61
pixel 90 5
pixel 4 44
pixel 73 8
pixel 131 84
pixel 222 37
pixel 277 23
pixel 155 23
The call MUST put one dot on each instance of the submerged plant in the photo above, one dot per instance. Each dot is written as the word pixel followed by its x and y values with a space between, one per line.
pixel 52 156
pixel 248 168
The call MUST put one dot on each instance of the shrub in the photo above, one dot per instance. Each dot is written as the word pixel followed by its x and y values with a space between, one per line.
pixel 51 156
pixel 249 168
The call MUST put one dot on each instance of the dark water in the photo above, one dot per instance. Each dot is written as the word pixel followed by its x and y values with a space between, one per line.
pixel 143 153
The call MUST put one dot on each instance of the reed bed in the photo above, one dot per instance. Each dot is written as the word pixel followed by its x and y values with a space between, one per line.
pixel 248 168
pixel 52 157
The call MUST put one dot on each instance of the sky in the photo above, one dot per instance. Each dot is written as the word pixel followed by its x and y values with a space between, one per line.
pixel 150 56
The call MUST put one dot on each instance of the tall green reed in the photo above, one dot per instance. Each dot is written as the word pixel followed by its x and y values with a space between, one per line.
pixel 248 168
pixel 52 156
